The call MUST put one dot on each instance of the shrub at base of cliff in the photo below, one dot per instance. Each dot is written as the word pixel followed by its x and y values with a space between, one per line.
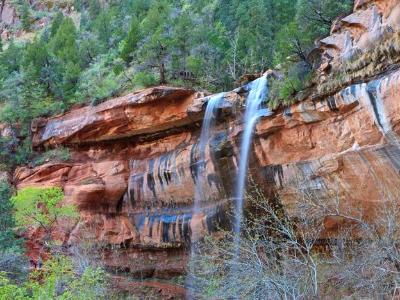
pixel 40 209
pixel 57 279
pixel 59 276
pixel 282 255
pixel 12 260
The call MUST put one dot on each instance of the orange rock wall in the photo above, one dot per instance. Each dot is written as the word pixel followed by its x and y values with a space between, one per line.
pixel 135 158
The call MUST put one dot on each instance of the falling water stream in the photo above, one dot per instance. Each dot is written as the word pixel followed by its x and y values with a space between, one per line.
pixel 206 132
pixel 258 92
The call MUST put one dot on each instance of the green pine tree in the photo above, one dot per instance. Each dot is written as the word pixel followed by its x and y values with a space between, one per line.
pixel 7 222
pixel 55 24
pixel 155 48
pixel 94 9
pixel 25 16
pixel 131 41
pixel 65 48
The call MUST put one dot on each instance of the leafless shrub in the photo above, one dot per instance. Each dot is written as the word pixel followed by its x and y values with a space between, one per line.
pixel 289 253
pixel 86 249
pixel 15 265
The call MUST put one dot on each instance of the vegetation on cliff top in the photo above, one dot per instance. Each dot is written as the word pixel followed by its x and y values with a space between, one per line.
pixel 93 50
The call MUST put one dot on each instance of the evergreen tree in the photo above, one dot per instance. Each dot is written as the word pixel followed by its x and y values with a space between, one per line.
pixel 131 41
pixel 155 48
pixel 13 263
pixel 317 16
pixel 36 57
pixel 10 58
pixel 313 19
pixel 94 9
pixel 64 47
pixel 7 222
pixel 291 41
pixel 139 8
pixel 55 24
pixel 181 40
pixel 63 44
pixel 89 48
pixel 103 28
pixel 25 16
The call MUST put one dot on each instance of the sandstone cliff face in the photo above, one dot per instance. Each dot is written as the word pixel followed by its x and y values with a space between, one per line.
pixel 134 159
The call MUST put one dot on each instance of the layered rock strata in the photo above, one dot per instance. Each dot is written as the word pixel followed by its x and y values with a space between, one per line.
pixel 134 161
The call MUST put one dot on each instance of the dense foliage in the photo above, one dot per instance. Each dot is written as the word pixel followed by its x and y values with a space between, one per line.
pixel 13 263
pixel 107 48
pixel 57 279
pixel 40 207
pixel 92 50
pixel 7 222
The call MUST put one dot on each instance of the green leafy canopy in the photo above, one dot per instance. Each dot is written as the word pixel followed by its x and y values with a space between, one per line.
pixel 40 207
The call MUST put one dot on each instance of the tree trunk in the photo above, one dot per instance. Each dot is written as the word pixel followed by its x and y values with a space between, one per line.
pixel 162 73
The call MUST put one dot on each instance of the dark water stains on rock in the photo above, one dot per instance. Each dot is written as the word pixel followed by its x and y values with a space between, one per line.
pixel 391 152
pixel 373 97
pixel 150 178
pixel 332 104
pixel 273 175
pixel 136 188
pixel 193 163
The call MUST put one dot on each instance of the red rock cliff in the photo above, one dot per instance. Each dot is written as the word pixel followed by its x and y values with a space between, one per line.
pixel 133 168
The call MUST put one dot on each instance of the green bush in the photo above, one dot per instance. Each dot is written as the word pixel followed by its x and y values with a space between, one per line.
pixel 40 207
pixel 284 91
pixel 57 279
pixel 289 87
pixel 14 152
pixel 7 222
pixel 9 290
pixel 99 81
pixel 144 79
pixel 296 77
pixel 59 154
pixel 12 260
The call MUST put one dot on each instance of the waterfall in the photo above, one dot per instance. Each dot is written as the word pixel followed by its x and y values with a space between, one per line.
pixel 258 92
pixel 206 131
pixel 201 176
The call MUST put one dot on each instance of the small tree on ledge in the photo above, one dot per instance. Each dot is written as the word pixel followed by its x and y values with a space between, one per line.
pixel 41 208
